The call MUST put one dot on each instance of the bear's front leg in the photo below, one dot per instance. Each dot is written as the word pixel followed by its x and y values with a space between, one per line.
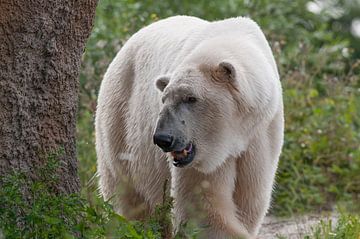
pixel 208 200
pixel 116 185
pixel 256 170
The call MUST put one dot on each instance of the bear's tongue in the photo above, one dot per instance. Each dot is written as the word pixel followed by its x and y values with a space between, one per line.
pixel 183 153
pixel 179 155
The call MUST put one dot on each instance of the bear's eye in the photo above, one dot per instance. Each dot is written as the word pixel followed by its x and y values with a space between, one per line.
pixel 190 99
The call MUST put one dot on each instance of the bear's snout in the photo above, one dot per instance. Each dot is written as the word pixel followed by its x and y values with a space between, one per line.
pixel 182 154
pixel 164 141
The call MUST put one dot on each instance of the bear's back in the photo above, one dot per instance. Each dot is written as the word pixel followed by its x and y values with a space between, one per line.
pixel 158 46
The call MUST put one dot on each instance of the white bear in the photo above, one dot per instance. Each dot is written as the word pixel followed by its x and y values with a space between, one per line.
pixel 200 103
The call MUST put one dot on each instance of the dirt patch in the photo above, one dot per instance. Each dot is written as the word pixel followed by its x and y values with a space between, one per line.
pixel 292 228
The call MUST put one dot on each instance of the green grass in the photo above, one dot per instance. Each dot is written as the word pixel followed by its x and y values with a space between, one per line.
pixel 347 227
pixel 320 162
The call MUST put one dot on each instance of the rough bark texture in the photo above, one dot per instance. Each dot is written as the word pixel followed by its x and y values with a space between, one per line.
pixel 41 44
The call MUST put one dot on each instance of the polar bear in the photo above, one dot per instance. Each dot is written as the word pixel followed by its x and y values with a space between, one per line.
pixel 199 103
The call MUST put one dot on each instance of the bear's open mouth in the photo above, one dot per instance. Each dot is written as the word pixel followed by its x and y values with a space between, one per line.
pixel 183 157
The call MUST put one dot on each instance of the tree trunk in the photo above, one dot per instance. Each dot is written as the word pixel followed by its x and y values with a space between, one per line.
pixel 41 44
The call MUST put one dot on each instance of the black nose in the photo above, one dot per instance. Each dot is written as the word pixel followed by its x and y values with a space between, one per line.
pixel 164 141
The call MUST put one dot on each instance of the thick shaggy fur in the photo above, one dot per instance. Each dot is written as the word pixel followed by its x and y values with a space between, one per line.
pixel 236 123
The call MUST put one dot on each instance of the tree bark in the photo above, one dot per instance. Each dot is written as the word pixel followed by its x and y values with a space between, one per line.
pixel 41 44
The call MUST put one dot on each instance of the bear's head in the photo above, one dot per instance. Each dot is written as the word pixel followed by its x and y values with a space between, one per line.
pixel 202 117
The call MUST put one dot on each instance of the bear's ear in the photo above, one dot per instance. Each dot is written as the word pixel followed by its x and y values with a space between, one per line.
pixel 227 70
pixel 162 82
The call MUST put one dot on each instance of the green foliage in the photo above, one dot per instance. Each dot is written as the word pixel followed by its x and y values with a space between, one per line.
pixel 31 209
pixel 320 163
pixel 348 227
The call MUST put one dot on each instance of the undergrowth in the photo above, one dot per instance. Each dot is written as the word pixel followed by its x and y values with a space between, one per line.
pixel 31 209
pixel 57 215
pixel 348 226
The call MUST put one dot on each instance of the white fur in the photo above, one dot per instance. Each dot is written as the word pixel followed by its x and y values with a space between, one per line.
pixel 229 183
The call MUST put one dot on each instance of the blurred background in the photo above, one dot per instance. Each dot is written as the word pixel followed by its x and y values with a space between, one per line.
pixel 317 48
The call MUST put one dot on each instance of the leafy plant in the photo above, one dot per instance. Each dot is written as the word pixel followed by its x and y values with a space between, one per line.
pixel 347 227
pixel 54 215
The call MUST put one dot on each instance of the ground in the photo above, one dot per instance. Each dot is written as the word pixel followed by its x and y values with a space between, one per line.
pixel 292 228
